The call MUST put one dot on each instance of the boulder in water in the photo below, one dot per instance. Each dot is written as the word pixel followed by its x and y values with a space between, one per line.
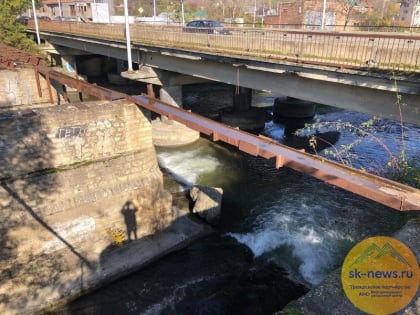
pixel 207 203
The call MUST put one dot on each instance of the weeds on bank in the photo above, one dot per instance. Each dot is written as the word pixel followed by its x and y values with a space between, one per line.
pixel 116 235
pixel 398 167
pixel 344 153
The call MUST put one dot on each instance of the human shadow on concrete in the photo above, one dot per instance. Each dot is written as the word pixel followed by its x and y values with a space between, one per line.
pixel 129 212
pixel 117 261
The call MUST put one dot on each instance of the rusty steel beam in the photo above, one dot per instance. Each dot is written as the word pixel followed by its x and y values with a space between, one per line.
pixel 384 191
pixel 11 57
pixel 82 86
pixel 387 192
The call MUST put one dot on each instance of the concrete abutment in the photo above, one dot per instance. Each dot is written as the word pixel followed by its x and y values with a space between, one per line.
pixel 82 200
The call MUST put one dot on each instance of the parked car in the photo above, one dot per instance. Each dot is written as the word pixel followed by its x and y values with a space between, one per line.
pixel 43 18
pixel 206 26
pixel 23 19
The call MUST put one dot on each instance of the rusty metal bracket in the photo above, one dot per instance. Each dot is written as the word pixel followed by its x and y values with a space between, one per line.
pixel 11 58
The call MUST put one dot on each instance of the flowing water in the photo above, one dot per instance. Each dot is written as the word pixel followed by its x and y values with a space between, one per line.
pixel 277 225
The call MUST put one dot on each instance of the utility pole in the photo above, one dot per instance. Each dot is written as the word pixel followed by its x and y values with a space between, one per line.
pixel 36 23
pixel 127 35
pixel 255 12
pixel 60 13
pixel 182 12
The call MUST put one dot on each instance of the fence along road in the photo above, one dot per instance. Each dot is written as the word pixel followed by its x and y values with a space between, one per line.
pixel 356 50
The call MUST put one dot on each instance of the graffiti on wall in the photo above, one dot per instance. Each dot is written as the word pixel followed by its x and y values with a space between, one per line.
pixel 71 131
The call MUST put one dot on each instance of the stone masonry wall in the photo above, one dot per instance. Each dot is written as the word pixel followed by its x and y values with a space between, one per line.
pixel 63 135
pixel 78 184
pixel 19 87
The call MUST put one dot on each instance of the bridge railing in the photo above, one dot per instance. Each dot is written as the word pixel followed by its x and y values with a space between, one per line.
pixel 390 51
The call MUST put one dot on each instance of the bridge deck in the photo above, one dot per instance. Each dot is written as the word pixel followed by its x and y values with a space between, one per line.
pixel 323 67
pixel 390 193
pixel 356 50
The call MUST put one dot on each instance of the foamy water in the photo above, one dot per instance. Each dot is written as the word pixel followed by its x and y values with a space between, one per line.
pixel 186 166
pixel 315 248
pixel 299 222
pixel 277 221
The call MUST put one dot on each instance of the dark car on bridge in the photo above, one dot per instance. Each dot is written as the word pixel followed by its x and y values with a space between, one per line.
pixel 25 19
pixel 66 18
pixel 206 26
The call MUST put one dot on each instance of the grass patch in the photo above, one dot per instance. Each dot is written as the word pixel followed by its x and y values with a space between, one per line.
pixel 409 175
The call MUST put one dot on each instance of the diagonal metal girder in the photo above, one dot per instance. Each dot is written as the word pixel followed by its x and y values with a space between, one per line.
pixel 387 192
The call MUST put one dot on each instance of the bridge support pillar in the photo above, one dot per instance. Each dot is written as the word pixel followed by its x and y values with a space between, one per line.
pixel 167 132
pixel 243 116
pixel 242 99
pixel 69 63
pixel 171 94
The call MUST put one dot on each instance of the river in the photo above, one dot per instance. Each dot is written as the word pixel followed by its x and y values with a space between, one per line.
pixel 281 232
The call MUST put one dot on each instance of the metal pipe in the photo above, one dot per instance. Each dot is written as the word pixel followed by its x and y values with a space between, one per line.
pixel 127 35
pixel 323 14
pixel 255 13
pixel 154 10
pixel 182 11
pixel 60 13
pixel 36 23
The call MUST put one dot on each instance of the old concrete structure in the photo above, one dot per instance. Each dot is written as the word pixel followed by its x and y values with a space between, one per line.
pixel 19 87
pixel 81 199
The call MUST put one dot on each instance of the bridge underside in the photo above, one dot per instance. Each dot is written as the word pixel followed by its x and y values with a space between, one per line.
pixel 378 95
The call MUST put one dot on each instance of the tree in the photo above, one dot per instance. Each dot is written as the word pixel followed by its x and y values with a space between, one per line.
pixel 11 32
pixel 347 8
pixel 384 13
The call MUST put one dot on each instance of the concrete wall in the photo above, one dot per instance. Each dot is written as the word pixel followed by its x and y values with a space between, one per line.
pixel 18 87
pixel 75 182
pixel 67 134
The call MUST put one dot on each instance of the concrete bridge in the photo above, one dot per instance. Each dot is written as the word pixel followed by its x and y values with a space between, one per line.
pixel 70 173
pixel 366 72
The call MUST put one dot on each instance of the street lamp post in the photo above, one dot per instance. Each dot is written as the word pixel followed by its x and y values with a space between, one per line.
pixel 255 12
pixel 154 10
pixel 323 14
pixel 182 11
pixel 60 12
pixel 36 23
pixel 127 35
